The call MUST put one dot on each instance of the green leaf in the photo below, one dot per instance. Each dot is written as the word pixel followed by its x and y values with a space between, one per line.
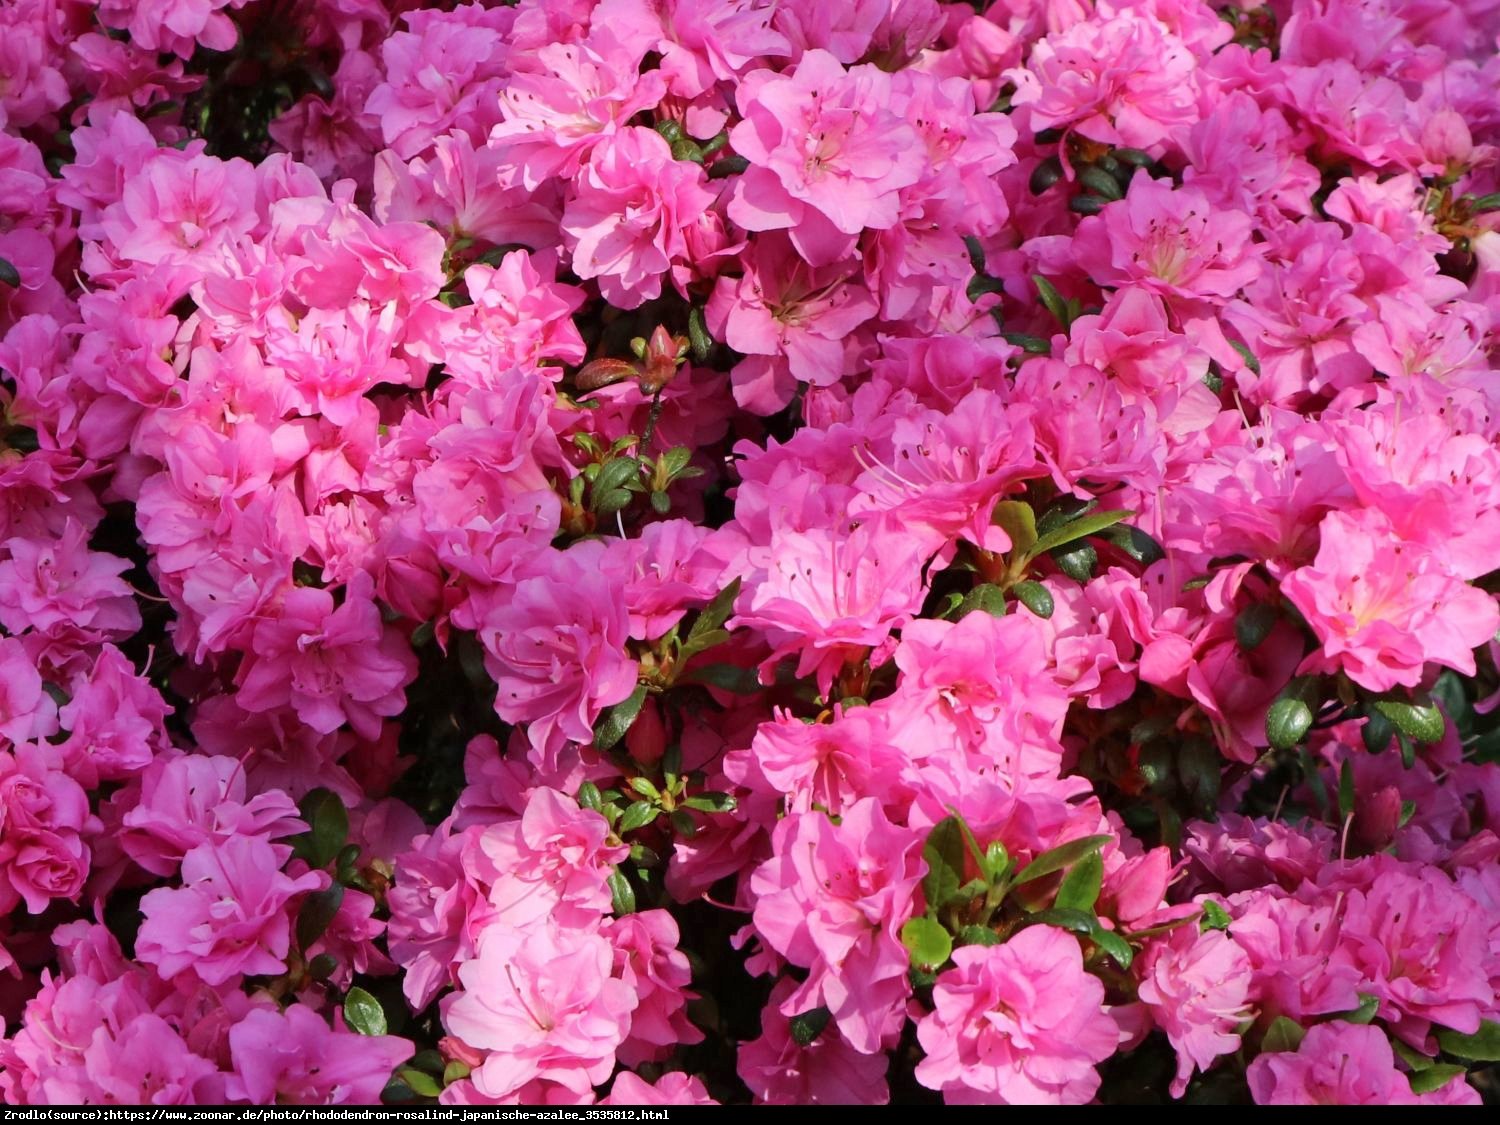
pixel 1018 520
pixel 1077 561
pixel 1377 732
pixel 1032 345
pixel 617 472
pixel 1247 355
pixel 715 613
pixel 1412 1058
pixel 1045 174
pixel 612 501
pixel 9 275
pixel 455 1071
pixel 1419 721
pixel 1113 945
pixel 711 802
pixel 1484 203
pixel 1091 524
pixel 1087 204
pixel 621 893
pixel 1080 886
pixel 944 853
pixel 328 828
pixel 638 815
pixel 1369 1006
pixel 986 597
pixel 1435 1077
pixel 928 943
pixel 1283 1036
pixel 1287 723
pixel 1135 543
pixel 976 252
pixel 977 935
pixel 726 166
pixel 1053 301
pixel 661 503
pixel 317 913
pixel 363 1013
pixel 1035 597
pixel 589 797
pixel 1077 921
pixel 1254 625
pixel 726 677
pixel 699 340
pixel 1408 750
pixel 618 719
pixel 420 1082
pixel 1346 789
pixel 683 824
pixel 645 788
pixel 806 1028
pixel 1064 855
pixel 1215 917
pixel 321 967
pixel 1482 1046
pixel 1101 183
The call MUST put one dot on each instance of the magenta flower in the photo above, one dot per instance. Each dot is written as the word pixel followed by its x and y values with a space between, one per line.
pixel 833 899
pixel 627 220
pixel 329 664
pixel 542 1005
pixel 229 918
pixel 1197 988
pixel 1018 1024
pixel 828 156
pixel 1341 1063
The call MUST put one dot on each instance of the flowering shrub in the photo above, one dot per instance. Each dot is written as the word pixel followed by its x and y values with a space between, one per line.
pixel 681 551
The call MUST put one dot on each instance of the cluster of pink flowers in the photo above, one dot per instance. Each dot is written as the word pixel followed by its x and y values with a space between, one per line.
pixel 682 551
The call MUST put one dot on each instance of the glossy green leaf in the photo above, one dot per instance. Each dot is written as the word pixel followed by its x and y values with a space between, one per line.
pixel 928 943
pixel 1082 527
pixel 1035 597
pixel 618 719
pixel 807 1026
pixel 1064 855
pixel 621 893
pixel 316 914
pixel 1287 723
pixel 328 828
pixel 1080 887
pixel 1422 722
pixel 1283 1036
pixel 1482 1046
pixel 944 853
pixel 363 1013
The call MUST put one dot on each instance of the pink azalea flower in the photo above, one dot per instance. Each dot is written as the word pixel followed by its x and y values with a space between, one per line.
pixel 828 1071
pixel 1125 80
pixel 293 1057
pixel 827 156
pixel 229 918
pixel 833 899
pixel 555 646
pixel 329 664
pixel 1018 1024
pixel 1383 609
pixel 52 586
pixel 1169 241
pixel 542 1005
pixel 1341 1063
pixel 626 220
pixel 1197 987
